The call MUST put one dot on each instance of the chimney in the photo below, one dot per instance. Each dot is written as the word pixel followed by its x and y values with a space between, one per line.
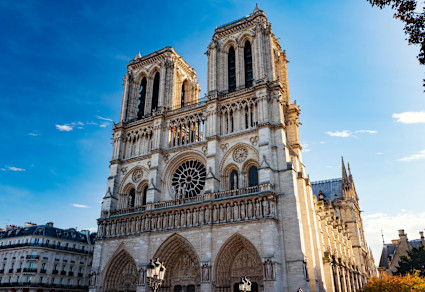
pixel 29 224
pixel 401 233
pixel 421 233
pixel 50 224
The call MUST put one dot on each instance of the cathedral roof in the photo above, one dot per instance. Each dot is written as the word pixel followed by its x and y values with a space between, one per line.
pixel 331 189
pixel 387 254
pixel 49 231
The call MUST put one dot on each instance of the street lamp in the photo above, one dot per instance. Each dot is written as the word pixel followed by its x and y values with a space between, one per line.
pixel 155 272
pixel 245 284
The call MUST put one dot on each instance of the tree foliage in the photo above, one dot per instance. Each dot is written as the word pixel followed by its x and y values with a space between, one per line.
pixel 414 261
pixel 407 283
pixel 414 22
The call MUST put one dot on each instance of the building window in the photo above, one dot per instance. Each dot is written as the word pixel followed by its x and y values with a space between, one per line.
pixel 28 279
pixel 248 64
pixel 142 99
pixel 155 94
pixel 253 176
pixel 145 193
pixel 231 70
pixel 234 180
pixel 182 95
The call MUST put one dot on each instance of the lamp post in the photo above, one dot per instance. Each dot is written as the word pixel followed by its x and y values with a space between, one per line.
pixel 245 284
pixel 155 272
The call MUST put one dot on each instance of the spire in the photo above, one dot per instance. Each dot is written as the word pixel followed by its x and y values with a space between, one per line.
pixel 344 173
pixel 257 10
pixel 350 177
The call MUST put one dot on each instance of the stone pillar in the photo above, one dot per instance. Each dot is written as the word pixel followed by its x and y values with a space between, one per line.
pixel 125 84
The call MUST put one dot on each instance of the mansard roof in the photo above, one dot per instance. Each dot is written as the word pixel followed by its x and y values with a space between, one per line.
pixel 387 254
pixel 331 189
pixel 49 231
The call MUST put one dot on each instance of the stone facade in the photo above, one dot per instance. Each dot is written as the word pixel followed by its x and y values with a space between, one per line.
pixel 214 188
pixel 45 258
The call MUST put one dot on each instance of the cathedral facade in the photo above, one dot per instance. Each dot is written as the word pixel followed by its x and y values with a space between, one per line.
pixel 216 188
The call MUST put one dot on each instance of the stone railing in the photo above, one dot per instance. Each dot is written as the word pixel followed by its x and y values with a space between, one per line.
pixel 215 208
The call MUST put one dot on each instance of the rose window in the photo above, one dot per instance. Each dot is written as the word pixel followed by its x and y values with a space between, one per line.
pixel 189 179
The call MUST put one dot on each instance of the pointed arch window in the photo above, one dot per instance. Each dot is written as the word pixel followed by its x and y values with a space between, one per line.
pixel 142 99
pixel 231 70
pixel 144 194
pixel 253 176
pixel 182 95
pixel 248 64
pixel 155 94
pixel 234 180
pixel 131 197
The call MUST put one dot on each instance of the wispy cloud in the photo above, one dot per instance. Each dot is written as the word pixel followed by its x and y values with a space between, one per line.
pixel 305 148
pixel 417 156
pixel 80 125
pixel 343 134
pixel 64 128
pixel 79 206
pixel 349 133
pixel 34 134
pixel 105 119
pixel 12 168
pixel 379 153
pixel 410 117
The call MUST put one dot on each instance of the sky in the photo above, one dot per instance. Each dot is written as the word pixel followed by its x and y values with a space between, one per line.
pixel 356 79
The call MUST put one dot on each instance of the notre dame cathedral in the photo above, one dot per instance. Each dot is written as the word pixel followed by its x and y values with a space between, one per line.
pixel 216 188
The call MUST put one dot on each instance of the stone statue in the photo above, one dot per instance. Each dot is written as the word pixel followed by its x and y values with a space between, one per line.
pixel 265 207
pixel 93 279
pixel 250 211
pixel 268 269
pixel 243 213
pixel 205 273
pixel 201 215
pixel 229 212
pixel 235 211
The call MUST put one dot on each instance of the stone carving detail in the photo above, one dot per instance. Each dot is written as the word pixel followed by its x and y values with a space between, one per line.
pixel 224 147
pixel 124 169
pixel 141 276
pixel 268 270
pixel 205 273
pixel 242 209
pixel 254 140
pixel 205 149
pixel 137 175
pixel 240 154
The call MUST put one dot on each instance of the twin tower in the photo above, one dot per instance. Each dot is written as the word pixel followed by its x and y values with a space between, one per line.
pixel 214 188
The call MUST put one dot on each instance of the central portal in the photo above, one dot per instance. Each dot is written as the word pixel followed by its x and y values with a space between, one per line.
pixel 183 266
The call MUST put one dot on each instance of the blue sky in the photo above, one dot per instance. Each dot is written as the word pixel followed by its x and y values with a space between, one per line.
pixel 61 66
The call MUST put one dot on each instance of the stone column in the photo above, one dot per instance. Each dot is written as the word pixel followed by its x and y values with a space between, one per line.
pixel 125 84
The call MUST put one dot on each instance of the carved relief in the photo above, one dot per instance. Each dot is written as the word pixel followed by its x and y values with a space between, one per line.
pixel 254 140
pixel 137 175
pixel 240 154
pixel 224 147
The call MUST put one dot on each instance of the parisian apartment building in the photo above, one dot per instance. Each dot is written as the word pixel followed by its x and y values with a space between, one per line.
pixel 45 258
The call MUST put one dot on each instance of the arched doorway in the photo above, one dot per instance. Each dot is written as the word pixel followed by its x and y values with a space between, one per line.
pixel 182 263
pixel 121 273
pixel 238 257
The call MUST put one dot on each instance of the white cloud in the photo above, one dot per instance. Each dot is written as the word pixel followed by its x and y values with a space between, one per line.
pixel 104 125
pixel 379 153
pixel 389 224
pixel 305 148
pixel 33 134
pixel 64 128
pixel 348 133
pixel 418 156
pixel 12 168
pixel 366 131
pixel 343 134
pixel 105 119
pixel 410 117
pixel 322 142
pixel 79 206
